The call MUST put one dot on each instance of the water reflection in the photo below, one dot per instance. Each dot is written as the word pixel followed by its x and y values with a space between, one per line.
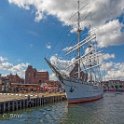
pixel 109 110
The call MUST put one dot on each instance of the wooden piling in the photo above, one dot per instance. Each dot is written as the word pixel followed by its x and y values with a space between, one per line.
pixel 17 104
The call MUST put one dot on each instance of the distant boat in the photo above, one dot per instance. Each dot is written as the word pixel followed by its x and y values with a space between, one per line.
pixel 83 84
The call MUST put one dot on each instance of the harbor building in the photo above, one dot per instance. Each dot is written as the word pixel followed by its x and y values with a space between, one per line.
pixel 48 86
pixel 4 84
pixel 32 76
pixel 113 85
pixel 15 78
pixel 35 81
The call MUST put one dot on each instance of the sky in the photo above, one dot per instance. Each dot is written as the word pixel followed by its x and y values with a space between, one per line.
pixel 33 29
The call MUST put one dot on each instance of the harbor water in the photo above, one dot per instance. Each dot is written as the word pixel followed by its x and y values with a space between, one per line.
pixel 109 110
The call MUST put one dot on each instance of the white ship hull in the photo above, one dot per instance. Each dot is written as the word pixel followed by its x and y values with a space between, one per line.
pixel 78 92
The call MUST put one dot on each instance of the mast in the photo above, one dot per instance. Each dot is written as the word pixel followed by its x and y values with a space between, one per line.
pixel 90 63
pixel 78 35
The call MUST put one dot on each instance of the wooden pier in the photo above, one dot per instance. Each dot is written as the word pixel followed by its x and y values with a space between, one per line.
pixel 13 102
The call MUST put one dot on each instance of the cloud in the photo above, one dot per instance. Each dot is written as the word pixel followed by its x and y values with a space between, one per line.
pixel 38 16
pixel 110 34
pixel 27 4
pixel 113 71
pixel 107 66
pixel 93 13
pixel 48 46
pixel 105 57
pixel 9 67
pixel 52 76
pixel 101 11
pixel 62 64
pixel 2 59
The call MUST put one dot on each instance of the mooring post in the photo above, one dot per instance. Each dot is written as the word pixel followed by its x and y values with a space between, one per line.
pixel 13 105
pixel 8 105
pixel 4 107
pixel 1 108
pixel 42 99
pixel 16 104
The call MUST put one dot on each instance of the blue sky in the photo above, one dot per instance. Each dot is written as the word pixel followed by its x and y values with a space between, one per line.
pixel 26 39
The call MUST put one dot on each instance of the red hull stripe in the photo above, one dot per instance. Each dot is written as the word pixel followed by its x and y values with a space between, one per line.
pixel 83 100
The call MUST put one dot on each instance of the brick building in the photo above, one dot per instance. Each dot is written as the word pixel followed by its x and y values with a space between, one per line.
pixel 14 78
pixel 32 76
pixel 34 82
pixel 4 84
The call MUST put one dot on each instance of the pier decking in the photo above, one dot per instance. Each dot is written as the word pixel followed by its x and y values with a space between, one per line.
pixel 12 102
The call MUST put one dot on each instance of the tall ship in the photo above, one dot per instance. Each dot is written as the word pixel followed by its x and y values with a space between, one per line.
pixel 82 83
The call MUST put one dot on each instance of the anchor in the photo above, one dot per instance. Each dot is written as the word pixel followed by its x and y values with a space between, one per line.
pixel 71 90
